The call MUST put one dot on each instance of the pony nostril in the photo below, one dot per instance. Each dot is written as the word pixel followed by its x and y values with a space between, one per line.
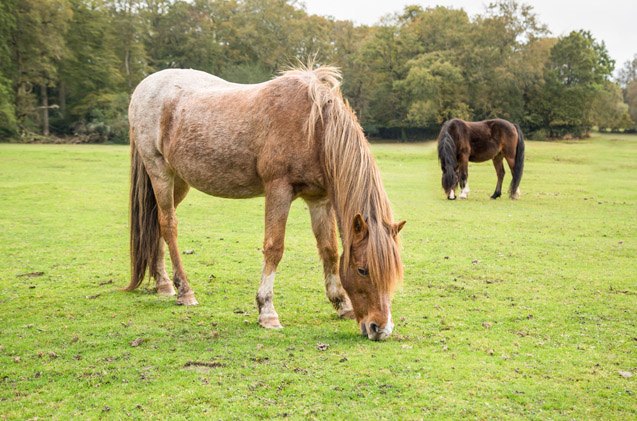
pixel 373 327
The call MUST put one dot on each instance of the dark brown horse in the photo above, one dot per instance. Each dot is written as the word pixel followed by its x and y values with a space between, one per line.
pixel 462 141
pixel 293 136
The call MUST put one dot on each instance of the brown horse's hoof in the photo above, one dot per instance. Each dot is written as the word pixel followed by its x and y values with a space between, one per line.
pixel 270 322
pixel 188 299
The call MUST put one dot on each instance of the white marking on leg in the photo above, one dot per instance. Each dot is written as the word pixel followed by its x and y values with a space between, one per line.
pixel 337 295
pixel 268 316
pixel 465 191
pixel 265 294
pixel 332 286
pixel 452 195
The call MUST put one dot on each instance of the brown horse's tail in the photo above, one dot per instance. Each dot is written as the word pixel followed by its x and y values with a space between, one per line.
pixel 145 234
pixel 447 157
pixel 519 162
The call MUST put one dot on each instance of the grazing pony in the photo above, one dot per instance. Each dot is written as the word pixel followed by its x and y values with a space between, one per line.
pixel 293 136
pixel 462 141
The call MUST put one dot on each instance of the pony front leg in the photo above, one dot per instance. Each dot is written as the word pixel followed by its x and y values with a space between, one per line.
pixel 324 228
pixel 463 177
pixel 278 197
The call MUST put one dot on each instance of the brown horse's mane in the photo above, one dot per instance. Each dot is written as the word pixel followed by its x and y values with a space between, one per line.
pixel 352 172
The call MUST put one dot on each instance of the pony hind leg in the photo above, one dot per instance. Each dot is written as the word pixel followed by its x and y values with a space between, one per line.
pixel 163 282
pixel 278 198
pixel 324 228
pixel 499 170
pixel 513 194
pixel 164 186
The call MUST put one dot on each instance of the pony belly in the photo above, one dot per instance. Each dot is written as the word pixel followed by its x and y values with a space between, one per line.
pixel 229 187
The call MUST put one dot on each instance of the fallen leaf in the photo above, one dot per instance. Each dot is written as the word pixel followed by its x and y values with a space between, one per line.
pixel 625 374
pixel 137 342
pixel 475 262
pixel 321 346
pixel 189 251
pixel 487 325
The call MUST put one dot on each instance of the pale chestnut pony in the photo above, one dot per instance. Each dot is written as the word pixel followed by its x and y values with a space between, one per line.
pixel 293 136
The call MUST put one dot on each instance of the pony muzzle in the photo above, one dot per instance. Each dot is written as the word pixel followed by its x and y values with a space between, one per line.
pixel 376 332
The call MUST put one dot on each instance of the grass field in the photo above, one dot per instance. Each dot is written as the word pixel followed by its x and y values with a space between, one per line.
pixel 509 309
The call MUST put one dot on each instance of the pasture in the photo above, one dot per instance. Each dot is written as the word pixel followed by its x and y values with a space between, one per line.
pixel 522 309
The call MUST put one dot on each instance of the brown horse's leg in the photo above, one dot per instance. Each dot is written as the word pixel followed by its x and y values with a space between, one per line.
pixel 324 227
pixel 278 197
pixel 499 170
pixel 463 176
pixel 511 161
pixel 164 284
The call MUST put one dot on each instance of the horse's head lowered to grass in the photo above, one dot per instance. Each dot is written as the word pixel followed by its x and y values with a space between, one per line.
pixel 370 265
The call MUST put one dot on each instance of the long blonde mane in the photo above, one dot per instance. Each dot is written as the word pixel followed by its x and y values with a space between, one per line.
pixel 352 173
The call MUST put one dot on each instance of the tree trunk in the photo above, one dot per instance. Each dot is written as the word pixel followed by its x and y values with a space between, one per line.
pixel 62 98
pixel 45 109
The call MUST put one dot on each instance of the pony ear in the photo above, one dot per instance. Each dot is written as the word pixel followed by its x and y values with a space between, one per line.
pixel 360 226
pixel 395 229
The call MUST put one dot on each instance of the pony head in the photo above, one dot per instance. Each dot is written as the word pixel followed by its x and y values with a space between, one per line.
pixel 369 272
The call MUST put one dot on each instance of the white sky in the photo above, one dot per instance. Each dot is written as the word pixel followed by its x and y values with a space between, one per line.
pixel 611 21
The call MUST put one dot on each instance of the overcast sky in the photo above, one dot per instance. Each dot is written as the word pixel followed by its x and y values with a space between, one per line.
pixel 611 21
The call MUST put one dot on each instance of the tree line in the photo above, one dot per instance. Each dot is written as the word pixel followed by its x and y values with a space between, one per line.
pixel 68 67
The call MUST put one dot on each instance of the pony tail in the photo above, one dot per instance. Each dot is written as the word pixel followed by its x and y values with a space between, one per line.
pixel 519 162
pixel 447 157
pixel 145 235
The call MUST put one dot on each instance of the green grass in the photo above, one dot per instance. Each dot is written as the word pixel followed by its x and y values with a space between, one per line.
pixel 521 309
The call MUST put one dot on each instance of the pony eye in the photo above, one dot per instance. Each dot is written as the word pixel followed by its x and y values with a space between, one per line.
pixel 363 272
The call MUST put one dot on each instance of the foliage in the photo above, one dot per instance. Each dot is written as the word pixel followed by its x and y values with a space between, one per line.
pixel 407 74
pixel 509 309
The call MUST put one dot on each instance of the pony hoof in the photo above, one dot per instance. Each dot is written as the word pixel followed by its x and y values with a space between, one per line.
pixel 451 198
pixel 187 299
pixel 166 290
pixel 270 322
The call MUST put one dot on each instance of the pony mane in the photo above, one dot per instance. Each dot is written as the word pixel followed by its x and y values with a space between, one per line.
pixel 352 173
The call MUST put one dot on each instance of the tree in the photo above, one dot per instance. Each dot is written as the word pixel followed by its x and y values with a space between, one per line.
pixel 608 110
pixel 435 91
pixel 41 44
pixel 577 69
pixel 8 121
pixel 630 97
pixel 628 72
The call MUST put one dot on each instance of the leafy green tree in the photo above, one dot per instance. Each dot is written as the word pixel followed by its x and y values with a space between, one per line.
pixel 8 121
pixel 91 82
pixel 436 91
pixel 630 96
pixel 41 44
pixel 578 67
pixel 608 110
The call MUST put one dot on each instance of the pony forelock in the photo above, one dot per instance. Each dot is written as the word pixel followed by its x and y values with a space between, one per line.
pixel 353 174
